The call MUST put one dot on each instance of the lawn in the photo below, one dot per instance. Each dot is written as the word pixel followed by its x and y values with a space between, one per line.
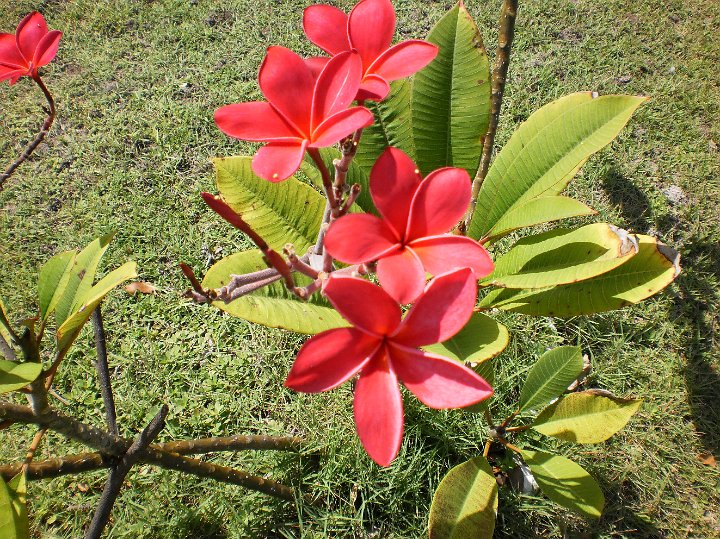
pixel 136 83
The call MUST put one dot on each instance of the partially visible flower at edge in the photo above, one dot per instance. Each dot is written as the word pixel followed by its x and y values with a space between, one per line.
pixel 32 46
pixel 411 238
pixel 302 111
pixel 369 29
pixel 384 350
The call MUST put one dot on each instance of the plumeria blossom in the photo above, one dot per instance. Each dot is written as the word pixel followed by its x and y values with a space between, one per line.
pixel 384 350
pixel 369 29
pixel 32 46
pixel 411 237
pixel 301 112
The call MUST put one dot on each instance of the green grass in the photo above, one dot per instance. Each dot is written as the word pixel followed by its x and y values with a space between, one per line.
pixel 136 84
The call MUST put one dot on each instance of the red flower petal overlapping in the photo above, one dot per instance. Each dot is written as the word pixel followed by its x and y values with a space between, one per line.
pixel 309 106
pixel 32 46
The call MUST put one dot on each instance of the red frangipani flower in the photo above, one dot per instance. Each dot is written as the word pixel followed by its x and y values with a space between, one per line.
pixel 301 112
pixel 384 350
pixel 32 46
pixel 369 29
pixel 411 238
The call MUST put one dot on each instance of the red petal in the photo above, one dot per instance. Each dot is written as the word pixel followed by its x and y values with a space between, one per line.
pixel 29 33
pixel 359 237
pixel 12 74
pixel 371 28
pixel 437 381
pixel 363 304
pixel 440 202
pixel 442 311
pixel 373 88
pixel 336 86
pixel 402 275
pixel 326 27
pixel 255 120
pixel 404 59
pixel 278 161
pixel 327 360
pixel 9 54
pixel 288 84
pixel 340 125
pixel 393 181
pixel 440 254
pixel 378 410
pixel 47 48
pixel 316 64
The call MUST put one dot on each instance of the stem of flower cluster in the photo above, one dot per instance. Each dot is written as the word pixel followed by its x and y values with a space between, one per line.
pixel 508 15
pixel 39 137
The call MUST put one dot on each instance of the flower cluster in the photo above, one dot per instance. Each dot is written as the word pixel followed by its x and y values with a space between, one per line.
pixel 32 46
pixel 309 106
pixel 307 100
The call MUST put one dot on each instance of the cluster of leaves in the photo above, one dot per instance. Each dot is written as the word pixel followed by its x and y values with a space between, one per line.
pixel 466 501
pixel 67 297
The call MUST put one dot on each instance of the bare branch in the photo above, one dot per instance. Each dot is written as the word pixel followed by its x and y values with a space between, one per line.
pixel 86 462
pixel 508 14
pixel 38 138
pixel 103 371
pixel 119 472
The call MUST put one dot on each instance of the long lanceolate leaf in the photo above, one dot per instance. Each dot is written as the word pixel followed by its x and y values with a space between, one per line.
pixel 544 153
pixel 80 279
pixel 54 277
pixel 13 511
pixel 551 376
pixel 586 418
pixel 566 483
pixel 16 375
pixel 465 503
pixel 563 256
pixel 653 268
pixel 70 328
pixel 273 305
pixel 451 96
pixel 289 212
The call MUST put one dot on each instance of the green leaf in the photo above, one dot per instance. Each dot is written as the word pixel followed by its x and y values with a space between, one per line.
pixel 5 327
pixel 482 338
pixel 585 418
pixel 550 376
pixel 17 375
pixel 18 498
pixel 286 212
pixel 272 306
pixel 537 211
pixel 53 280
pixel 393 126
pixel 82 275
pixel 70 329
pixel 545 152
pixel 653 268
pixel 13 515
pixel 563 256
pixel 451 96
pixel 565 482
pixel 465 503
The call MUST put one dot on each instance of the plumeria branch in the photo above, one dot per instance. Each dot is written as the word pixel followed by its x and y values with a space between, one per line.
pixel 103 371
pixel 118 473
pixel 114 446
pixel 87 462
pixel 508 14
pixel 47 124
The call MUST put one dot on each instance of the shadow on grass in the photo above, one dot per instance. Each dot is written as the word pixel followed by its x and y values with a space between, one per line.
pixel 631 200
pixel 698 302
pixel 695 306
